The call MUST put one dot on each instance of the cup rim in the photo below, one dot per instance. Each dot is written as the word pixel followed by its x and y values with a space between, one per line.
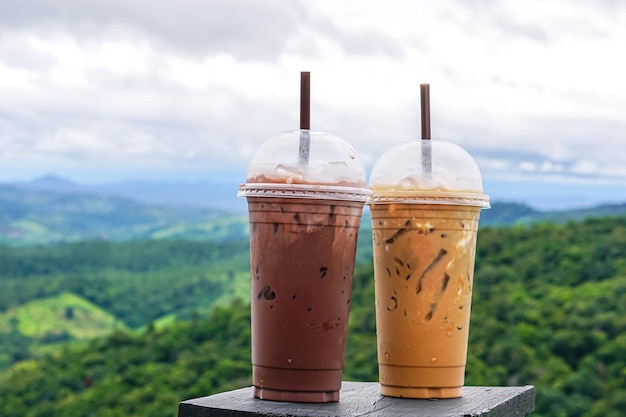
pixel 304 191
pixel 454 198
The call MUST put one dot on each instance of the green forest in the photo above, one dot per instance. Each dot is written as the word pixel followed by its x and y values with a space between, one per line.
pixel 104 328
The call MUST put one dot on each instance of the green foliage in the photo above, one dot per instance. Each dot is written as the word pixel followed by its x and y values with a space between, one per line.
pixel 549 307
pixel 58 318
pixel 134 282
pixel 135 375
pixel 549 310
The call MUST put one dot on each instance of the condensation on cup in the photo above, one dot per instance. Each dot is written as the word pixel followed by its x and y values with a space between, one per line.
pixel 306 191
pixel 427 198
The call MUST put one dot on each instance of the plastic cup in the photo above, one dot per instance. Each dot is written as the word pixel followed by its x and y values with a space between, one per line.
pixel 304 224
pixel 424 225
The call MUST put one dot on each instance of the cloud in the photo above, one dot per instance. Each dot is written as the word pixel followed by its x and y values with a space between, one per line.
pixel 529 89
pixel 247 29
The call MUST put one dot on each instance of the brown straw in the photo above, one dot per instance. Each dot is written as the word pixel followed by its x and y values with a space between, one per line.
pixel 305 118
pixel 425 96
pixel 427 160
pixel 305 100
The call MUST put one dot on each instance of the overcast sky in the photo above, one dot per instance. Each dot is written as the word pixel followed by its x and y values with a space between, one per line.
pixel 116 88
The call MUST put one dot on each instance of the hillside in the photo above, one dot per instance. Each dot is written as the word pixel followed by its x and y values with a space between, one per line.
pixel 40 217
pixel 54 211
pixel 60 316
pixel 549 308
pixel 132 283
pixel 42 324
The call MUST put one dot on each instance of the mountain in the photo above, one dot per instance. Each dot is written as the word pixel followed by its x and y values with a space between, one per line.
pixel 506 214
pixel 52 183
pixel 30 216
pixel 60 317
pixel 53 209
pixel 216 193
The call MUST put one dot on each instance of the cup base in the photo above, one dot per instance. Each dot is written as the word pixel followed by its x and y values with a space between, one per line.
pixel 421 381
pixel 296 385
pixel 296 396
pixel 425 393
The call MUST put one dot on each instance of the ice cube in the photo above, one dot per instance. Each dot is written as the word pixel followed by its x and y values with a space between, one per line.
pixel 290 174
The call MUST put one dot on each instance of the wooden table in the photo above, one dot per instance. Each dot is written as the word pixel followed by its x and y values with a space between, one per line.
pixel 364 399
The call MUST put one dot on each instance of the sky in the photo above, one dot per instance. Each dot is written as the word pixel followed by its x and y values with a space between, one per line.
pixel 110 90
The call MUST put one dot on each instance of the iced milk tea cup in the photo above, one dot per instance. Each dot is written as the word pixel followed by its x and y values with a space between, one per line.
pixel 424 225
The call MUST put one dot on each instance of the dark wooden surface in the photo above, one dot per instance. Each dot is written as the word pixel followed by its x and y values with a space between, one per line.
pixel 364 399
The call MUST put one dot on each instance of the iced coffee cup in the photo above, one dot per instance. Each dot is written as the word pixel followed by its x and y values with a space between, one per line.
pixel 425 209
pixel 305 192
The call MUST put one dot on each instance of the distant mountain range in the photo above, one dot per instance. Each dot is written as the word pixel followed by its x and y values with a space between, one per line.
pixel 506 214
pixel 218 193
pixel 52 209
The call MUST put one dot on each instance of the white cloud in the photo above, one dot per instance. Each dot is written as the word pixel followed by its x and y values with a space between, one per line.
pixel 527 87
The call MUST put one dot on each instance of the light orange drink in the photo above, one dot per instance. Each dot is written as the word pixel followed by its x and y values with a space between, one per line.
pixel 424 242
pixel 424 270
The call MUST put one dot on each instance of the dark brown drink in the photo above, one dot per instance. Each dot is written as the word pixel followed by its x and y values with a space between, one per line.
pixel 302 254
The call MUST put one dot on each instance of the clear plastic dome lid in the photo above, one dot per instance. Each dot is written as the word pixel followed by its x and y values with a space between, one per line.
pixel 427 171
pixel 299 162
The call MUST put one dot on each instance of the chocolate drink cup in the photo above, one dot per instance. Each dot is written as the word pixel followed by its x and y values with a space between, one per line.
pixel 424 267
pixel 302 254
pixel 306 192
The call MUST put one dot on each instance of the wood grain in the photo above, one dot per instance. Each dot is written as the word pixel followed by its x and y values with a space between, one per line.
pixel 364 399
